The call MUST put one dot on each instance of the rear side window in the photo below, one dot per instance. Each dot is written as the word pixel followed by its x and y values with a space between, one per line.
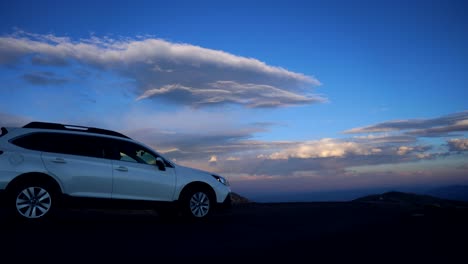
pixel 30 141
pixel 81 145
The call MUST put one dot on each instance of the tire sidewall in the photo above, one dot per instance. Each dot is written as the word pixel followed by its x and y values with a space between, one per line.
pixel 187 212
pixel 14 193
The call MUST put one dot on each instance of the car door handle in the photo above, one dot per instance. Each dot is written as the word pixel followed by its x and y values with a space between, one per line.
pixel 58 160
pixel 121 168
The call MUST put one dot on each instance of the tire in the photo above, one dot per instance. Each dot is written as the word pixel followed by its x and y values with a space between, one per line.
pixel 33 202
pixel 197 203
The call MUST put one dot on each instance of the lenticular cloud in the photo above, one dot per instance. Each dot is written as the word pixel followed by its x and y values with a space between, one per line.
pixel 177 72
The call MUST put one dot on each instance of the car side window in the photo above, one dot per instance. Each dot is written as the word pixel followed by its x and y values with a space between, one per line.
pixel 62 143
pixel 130 152
pixel 82 145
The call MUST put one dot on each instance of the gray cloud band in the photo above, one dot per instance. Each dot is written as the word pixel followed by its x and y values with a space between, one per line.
pixel 440 126
pixel 179 73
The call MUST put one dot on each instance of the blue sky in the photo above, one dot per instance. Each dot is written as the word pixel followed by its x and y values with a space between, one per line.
pixel 308 94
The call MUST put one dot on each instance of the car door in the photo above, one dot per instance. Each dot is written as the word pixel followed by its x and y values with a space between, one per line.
pixel 78 162
pixel 136 175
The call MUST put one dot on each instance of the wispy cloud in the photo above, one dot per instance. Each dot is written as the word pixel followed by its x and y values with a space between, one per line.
pixel 177 72
pixel 220 92
pixel 439 126
pixel 44 78
pixel 458 126
pixel 385 138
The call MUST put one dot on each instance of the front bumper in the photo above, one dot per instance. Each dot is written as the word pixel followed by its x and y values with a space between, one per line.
pixel 226 204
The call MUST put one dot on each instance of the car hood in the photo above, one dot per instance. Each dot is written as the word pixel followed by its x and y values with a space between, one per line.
pixel 181 170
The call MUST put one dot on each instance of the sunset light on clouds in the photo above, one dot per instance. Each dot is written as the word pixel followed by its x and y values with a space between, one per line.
pixel 284 98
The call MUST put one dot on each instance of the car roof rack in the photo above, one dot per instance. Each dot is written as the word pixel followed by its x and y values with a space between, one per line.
pixel 56 126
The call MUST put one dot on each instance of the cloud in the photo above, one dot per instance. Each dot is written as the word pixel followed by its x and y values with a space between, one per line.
pixel 213 160
pixel 419 150
pixel 230 147
pixel 328 158
pixel 324 148
pixel 420 127
pixel 43 78
pixel 458 126
pixel 403 150
pixel 385 139
pixel 176 72
pixel 248 94
pixel 222 145
pixel 458 144
pixel 327 167
pixel 195 134
pixel 237 154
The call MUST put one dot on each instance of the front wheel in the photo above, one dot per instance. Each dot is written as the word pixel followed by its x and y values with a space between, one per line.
pixel 197 204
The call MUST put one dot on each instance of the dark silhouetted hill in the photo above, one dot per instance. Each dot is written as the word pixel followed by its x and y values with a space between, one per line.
pixel 411 200
pixel 238 199
pixel 456 192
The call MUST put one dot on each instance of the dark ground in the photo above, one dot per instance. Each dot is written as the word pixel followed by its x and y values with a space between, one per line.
pixel 304 232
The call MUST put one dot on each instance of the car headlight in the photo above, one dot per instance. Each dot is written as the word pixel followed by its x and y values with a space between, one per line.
pixel 221 179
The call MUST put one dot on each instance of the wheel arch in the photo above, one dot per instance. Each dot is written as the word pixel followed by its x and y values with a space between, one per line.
pixel 197 185
pixel 34 177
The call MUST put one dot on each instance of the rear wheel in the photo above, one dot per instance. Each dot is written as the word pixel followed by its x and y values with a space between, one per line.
pixel 33 202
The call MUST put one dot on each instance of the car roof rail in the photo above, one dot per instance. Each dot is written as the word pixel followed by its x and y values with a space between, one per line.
pixel 56 126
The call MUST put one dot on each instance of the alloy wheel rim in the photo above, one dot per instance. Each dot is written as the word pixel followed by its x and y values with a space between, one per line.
pixel 33 202
pixel 200 204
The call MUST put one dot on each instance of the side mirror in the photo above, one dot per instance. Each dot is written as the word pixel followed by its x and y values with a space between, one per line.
pixel 160 164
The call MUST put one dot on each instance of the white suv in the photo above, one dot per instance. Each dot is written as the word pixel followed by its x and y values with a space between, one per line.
pixel 47 165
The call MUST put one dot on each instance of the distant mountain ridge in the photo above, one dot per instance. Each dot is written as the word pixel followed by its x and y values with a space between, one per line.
pixel 453 193
pixel 398 197
pixel 411 200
